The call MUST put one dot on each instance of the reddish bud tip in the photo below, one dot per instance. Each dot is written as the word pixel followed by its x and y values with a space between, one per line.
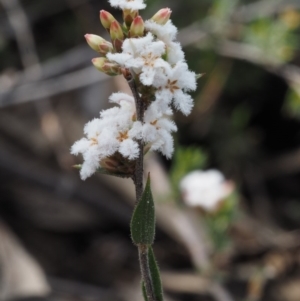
pixel 116 32
pixel 137 27
pixel 162 16
pixel 106 19
pixel 138 21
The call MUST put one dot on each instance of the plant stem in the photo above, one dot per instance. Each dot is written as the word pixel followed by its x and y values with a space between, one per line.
pixel 138 182
pixel 139 164
pixel 144 264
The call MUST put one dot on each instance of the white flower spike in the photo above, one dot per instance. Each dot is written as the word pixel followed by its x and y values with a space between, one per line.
pixel 147 53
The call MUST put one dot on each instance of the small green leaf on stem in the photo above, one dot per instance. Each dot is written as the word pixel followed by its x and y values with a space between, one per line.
pixel 115 174
pixel 78 166
pixel 143 219
pixel 106 172
pixel 155 275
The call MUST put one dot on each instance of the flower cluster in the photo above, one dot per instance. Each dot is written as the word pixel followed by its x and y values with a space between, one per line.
pixel 148 53
pixel 205 189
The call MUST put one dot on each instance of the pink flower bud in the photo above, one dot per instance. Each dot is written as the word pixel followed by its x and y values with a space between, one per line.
pixel 162 16
pixel 137 27
pixel 117 36
pixel 98 44
pixel 106 19
pixel 116 32
pixel 129 15
pixel 106 66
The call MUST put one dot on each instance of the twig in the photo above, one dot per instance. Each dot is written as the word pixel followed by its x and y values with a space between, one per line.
pixel 219 292
pixel 197 34
pixel 59 183
pixel 47 88
pixel 289 72
pixel 50 123
pixel 37 13
pixel 252 54
pixel 192 34
pixel 19 22
pixel 263 8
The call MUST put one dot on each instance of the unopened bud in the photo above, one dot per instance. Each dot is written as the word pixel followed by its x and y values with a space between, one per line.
pixel 106 19
pixel 137 27
pixel 117 36
pixel 129 15
pixel 98 44
pixel 116 32
pixel 162 16
pixel 106 66
pixel 106 47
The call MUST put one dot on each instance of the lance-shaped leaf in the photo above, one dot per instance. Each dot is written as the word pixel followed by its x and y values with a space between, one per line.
pixel 143 219
pixel 155 275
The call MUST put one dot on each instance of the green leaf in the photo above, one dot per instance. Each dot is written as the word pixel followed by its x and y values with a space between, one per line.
pixel 143 219
pixel 144 291
pixel 115 174
pixel 155 275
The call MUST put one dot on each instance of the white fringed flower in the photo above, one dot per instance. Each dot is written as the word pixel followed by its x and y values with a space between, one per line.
pixel 172 85
pixel 113 132
pixel 166 33
pixel 128 4
pixel 157 130
pixel 143 56
pixel 205 189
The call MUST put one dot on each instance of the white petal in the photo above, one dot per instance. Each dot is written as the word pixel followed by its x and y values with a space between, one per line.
pixel 149 133
pixel 120 58
pixel 92 127
pixel 174 53
pixel 183 102
pixel 167 147
pixel 147 76
pixel 136 130
pixel 166 32
pixel 80 146
pixel 166 124
pixel 129 149
pixel 119 96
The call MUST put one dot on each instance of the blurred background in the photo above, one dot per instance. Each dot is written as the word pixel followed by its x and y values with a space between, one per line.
pixel 65 239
